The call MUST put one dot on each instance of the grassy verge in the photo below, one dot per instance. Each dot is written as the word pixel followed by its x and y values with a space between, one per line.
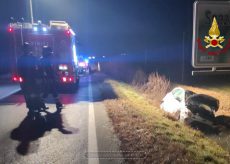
pixel 142 127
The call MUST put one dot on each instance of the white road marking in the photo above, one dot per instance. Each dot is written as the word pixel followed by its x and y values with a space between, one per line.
pixel 92 136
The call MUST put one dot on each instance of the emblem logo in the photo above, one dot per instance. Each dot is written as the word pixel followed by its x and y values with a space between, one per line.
pixel 214 39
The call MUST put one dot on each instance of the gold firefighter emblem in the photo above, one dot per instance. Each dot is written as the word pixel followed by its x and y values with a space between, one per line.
pixel 214 39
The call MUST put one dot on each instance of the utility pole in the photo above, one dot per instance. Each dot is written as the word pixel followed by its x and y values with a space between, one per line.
pixel 146 66
pixel 31 12
pixel 183 58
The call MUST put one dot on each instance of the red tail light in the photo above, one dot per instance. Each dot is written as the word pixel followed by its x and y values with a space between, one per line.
pixel 67 32
pixel 64 79
pixel 14 78
pixel 67 79
pixel 10 29
pixel 17 79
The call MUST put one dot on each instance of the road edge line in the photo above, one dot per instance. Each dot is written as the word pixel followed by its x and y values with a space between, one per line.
pixel 92 136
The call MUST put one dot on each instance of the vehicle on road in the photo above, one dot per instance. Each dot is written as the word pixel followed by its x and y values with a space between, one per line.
pixel 83 66
pixel 58 35
pixel 188 106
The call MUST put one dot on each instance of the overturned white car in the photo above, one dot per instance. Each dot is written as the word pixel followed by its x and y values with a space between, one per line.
pixel 185 105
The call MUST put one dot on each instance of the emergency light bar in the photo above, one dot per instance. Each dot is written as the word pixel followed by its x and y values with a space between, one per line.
pixel 59 24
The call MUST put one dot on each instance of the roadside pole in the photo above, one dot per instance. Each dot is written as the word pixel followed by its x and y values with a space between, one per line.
pixel 31 12
pixel 183 57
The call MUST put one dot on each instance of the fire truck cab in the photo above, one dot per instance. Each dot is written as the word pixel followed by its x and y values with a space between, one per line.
pixel 58 35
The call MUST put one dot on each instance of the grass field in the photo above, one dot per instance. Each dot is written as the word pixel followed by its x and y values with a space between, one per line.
pixel 142 126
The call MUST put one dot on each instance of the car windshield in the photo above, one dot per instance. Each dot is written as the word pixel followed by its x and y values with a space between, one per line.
pixel 178 94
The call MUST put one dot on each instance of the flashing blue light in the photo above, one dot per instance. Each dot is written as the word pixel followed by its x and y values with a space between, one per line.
pixel 44 29
pixel 87 61
pixel 35 29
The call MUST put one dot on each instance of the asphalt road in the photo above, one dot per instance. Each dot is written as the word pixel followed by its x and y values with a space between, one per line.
pixel 81 133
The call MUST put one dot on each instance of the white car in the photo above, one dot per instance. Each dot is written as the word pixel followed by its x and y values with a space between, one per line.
pixel 183 105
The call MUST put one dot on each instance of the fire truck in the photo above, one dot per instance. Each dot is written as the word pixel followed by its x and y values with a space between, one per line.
pixel 58 35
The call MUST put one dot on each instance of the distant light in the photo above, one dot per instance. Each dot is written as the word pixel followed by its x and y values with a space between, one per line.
pixel 82 64
pixel 63 67
pixel 103 56
pixel 20 80
pixel 15 78
pixel 35 29
pixel 93 57
pixel 44 29
pixel 39 22
pixel 67 32
pixel 70 79
pixel 89 57
pixel 10 29
pixel 64 79
pixel 87 61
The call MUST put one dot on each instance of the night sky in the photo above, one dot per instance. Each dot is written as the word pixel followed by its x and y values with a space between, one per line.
pixel 113 27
